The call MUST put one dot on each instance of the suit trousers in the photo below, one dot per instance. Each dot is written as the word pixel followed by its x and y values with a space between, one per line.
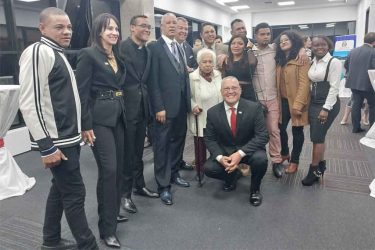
pixel 258 165
pixel 168 145
pixel 109 155
pixel 358 97
pixel 272 122
pixel 67 194
pixel 297 131
pixel 135 134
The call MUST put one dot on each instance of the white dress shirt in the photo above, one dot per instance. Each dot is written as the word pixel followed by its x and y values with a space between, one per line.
pixel 169 41
pixel 229 112
pixel 317 73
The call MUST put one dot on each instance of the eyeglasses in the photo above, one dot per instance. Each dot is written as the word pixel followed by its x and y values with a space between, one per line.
pixel 228 89
pixel 284 41
pixel 145 26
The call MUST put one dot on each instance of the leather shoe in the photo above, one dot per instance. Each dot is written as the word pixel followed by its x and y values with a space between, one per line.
pixel 121 218
pixel 63 244
pixel 180 182
pixel 277 169
pixel 256 198
pixel 166 197
pixel 146 192
pixel 186 166
pixel 359 130
pixel 112 241
pixel 228 187
pixel 128 205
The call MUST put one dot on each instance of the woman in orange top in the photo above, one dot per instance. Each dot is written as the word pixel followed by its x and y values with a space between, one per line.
pixel 294 89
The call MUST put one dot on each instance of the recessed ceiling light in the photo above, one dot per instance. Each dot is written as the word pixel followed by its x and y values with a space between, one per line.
pixel 344 1
pixel 223 2
pixel 329 25
pixel 240 7
pixel 29 1
pixel 287 3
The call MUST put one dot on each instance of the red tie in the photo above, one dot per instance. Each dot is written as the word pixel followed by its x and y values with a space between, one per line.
pixel 1 142
pixel 233 121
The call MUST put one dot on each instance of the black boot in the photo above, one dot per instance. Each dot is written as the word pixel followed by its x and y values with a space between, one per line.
pixel 312 176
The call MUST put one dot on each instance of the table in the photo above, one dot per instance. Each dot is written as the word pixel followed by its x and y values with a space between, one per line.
pixel 13 182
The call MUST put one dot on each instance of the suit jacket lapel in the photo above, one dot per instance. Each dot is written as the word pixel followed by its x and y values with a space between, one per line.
pixel 170 56
pixel 224 120
pixel 148 64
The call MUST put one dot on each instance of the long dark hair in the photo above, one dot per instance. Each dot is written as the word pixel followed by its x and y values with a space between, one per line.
pixel 100 23
pixel 244 62
pixel 297 43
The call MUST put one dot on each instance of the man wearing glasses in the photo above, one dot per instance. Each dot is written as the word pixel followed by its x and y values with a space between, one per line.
pixel 137 58
pixel 236 133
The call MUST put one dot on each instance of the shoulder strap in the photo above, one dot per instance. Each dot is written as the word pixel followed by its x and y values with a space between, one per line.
pixel 327 69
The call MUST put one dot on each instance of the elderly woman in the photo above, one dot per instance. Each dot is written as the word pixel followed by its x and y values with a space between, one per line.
pixel 205 83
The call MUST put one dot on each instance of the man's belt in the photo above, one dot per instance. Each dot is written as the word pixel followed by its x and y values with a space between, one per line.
pixel 109 94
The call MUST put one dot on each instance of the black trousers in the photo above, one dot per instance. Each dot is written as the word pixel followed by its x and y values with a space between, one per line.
pixel 258 165
pixel 135 134
pixel 168 145
pixel 67 194
pixel 297 132
pixel 358 97
pixel 109 155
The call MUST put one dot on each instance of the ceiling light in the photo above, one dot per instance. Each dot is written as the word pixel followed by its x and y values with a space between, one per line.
pixel 330 25
pixel 240 7
pixel 287 3
pixel 223 2
pixel 344 1
pixel 29 1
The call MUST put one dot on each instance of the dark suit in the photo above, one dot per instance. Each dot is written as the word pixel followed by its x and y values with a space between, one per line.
pixel 104 112
pixel 137 114
pixel 169 91
pixel 360 60
pixel 251 137
pixel 189 54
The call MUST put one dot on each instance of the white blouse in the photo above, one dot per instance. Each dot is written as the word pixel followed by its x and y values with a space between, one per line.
pixel 317 73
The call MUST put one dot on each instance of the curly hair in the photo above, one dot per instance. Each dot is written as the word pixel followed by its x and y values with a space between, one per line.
pixel 297 43
pixel 244 62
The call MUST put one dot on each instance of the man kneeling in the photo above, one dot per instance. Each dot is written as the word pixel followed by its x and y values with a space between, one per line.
pixel 236 133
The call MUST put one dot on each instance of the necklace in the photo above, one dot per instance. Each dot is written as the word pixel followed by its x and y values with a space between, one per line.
pixel 112 61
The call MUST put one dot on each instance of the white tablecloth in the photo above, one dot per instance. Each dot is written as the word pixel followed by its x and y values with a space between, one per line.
pixel 13 181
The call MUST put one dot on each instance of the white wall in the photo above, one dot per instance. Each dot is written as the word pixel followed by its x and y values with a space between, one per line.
pixel 361 20
pixel 198 10
pixel 301 16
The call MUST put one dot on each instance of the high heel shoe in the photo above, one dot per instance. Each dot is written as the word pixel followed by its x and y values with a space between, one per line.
pixel 285 158
pixel 292 168
pixel 313 175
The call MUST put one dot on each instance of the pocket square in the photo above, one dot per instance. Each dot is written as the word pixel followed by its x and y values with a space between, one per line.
pixel 106 63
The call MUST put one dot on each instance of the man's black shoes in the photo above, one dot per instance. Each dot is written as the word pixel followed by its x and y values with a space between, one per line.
pixel 146 192
pixel 255 198
pixel 62 245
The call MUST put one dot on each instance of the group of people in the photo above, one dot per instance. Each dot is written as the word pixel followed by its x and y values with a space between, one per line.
pixel 234 98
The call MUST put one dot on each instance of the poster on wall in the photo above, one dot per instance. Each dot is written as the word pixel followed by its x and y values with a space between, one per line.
pixel 343 45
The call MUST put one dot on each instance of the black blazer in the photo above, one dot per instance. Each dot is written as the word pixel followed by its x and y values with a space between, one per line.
pixel 360 60
pixel 191 62
pixel 251 133
pixel 135 89
pixel 94 75
pixel 168 84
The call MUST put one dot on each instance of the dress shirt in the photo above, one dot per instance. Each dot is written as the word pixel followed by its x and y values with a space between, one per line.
pixel 169 41
pixel 317 73
pixel 228 113
pixel 264 79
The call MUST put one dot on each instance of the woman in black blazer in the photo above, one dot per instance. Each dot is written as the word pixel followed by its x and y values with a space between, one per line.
pixel 100 77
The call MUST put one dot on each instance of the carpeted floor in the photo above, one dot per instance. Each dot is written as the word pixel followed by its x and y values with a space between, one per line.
pixel 337 214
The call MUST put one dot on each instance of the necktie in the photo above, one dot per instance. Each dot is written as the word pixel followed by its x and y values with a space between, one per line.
pixel 233 121
pixel 174 51
pixel 183 53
